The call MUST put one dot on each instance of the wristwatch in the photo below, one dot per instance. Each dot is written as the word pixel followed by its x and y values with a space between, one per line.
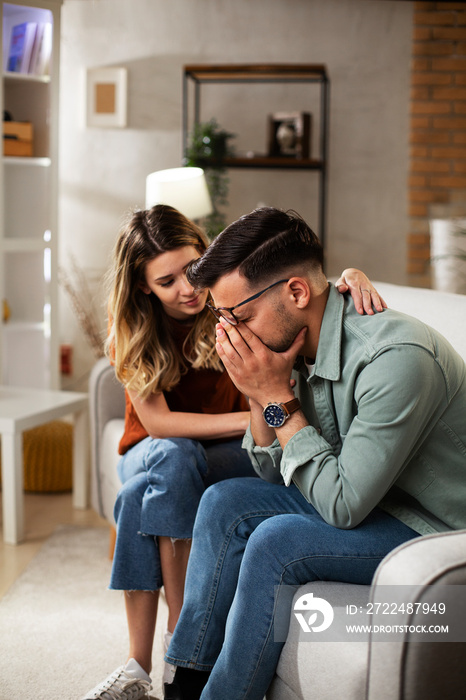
pixel 275 414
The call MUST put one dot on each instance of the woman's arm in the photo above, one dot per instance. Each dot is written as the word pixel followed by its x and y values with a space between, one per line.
pixel 161 422
pixel 365 296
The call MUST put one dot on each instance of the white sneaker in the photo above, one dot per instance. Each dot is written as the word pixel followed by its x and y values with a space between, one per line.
pixel 168 669
pixel 128 682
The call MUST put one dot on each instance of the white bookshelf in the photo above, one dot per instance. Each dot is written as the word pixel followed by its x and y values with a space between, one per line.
pixel 29 344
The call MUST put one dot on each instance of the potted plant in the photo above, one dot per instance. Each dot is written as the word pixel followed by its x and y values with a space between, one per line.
pixel 448 254
pixel 208 148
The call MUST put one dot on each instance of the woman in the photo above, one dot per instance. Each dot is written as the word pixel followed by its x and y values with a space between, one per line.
pixel 184 422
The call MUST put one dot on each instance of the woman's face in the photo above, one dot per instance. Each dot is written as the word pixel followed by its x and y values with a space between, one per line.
pixel 165 276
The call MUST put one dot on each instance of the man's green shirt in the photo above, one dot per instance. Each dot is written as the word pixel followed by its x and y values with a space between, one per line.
pixel 386 405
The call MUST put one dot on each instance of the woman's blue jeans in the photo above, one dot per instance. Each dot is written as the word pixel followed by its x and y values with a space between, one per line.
pixel 163 481
pixel 251 536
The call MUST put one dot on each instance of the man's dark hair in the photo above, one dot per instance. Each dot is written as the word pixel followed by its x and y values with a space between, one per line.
pixel 260 245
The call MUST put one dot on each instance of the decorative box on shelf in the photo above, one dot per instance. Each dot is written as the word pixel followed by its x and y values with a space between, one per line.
pixel 290 134
pixel 17 139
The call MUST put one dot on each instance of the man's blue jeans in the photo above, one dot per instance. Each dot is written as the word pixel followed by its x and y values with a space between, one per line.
pixel 249 537
pixel 163 481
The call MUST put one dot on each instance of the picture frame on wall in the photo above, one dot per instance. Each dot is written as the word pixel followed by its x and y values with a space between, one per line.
pixel 289 134
pixel 106 97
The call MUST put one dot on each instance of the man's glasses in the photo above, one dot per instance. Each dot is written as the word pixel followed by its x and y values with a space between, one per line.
pixel 227 312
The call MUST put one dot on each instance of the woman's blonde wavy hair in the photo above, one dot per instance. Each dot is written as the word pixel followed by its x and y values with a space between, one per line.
pixel 140 341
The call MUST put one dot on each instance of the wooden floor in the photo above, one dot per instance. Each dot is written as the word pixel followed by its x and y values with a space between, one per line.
pixel 43 513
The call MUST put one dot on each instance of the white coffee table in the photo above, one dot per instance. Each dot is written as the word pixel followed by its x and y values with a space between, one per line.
pixel 21 409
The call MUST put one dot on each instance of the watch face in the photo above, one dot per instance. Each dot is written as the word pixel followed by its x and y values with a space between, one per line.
pixel 274 415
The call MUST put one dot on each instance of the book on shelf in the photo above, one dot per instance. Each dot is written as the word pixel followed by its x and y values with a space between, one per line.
pixel 30 48
pixel 42 51
pixel 21 46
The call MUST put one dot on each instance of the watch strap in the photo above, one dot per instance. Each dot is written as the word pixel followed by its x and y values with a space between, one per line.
pixel 291 406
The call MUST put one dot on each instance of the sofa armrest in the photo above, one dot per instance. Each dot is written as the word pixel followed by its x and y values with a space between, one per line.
pixel 421 568
pixel 108 481
pixel 106 403
pixel 422 560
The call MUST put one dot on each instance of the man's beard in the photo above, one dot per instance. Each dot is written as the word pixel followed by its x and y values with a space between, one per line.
pixel 282 345
pixel 287 330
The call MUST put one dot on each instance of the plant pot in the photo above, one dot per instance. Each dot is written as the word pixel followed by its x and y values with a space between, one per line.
pixel 448 254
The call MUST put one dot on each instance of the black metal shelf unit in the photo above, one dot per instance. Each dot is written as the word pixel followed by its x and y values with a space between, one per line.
pixel 268 73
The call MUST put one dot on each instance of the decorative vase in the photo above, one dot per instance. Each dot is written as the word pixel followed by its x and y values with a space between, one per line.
pixel 448 254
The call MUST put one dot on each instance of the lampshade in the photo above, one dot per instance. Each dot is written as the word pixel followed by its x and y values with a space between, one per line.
pixel 184 189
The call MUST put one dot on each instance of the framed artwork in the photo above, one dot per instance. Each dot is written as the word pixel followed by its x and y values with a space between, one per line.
pixel 289 134
pixel 106 97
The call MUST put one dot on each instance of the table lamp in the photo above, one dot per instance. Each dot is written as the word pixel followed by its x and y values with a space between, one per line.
pixel 184 189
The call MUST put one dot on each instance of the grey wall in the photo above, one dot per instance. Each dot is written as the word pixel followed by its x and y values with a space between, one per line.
pixel 366 45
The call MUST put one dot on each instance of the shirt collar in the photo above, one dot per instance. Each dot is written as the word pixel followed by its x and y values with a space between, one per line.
pixel 328 358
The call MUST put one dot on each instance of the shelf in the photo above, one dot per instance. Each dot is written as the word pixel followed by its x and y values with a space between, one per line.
pixel 274 72
pixel 29 340
pixel 26 78
pixel 27 162
pixel 313 75
pixel 278 162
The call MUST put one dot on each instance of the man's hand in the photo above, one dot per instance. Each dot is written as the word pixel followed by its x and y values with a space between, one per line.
pixel 257 371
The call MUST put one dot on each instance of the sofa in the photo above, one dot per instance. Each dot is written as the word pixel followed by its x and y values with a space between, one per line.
pixel 366 668
pixel 107 421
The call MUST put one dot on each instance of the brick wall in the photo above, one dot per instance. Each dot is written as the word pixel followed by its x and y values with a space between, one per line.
pixel 437 178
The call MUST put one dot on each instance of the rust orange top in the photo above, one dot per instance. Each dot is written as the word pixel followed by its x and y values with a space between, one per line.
pixel 198 391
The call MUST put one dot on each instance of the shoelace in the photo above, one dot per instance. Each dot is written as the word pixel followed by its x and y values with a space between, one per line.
pixel 120 681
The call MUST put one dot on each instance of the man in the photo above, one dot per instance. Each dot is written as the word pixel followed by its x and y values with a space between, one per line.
pixel 363 450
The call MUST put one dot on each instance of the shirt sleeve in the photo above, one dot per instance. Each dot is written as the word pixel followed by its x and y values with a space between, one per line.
pixel 397 397
pixel 266 461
